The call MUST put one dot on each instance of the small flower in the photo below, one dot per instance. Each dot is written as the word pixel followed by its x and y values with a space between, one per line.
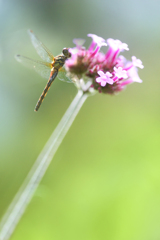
pixel 117 44
pixel 120 73
pixel 133 74
pixel 115 47
pixel 104 78
pixel 97 40
pixel 79 42
pixel 137 62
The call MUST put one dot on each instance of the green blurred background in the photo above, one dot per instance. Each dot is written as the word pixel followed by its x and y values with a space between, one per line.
pixel 104 181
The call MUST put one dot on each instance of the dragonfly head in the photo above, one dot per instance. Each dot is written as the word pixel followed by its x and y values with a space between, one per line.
pixel 66 52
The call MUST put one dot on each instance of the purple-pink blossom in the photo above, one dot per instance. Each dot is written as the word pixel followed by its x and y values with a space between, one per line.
pixel 96 40
pixel 137 62
pixel 109 72
pixel 120 73
pixel 79 42
pixel 104 78
pixel 117 44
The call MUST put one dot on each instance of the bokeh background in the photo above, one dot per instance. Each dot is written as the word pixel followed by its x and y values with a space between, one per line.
pixel 104 181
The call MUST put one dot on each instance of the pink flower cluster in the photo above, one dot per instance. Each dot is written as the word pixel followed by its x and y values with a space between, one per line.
pixel 108 72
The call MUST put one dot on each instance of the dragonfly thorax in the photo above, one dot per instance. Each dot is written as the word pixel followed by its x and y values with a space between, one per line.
pixel 59 61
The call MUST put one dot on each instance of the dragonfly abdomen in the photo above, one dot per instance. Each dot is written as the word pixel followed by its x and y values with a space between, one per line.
pixel 47 87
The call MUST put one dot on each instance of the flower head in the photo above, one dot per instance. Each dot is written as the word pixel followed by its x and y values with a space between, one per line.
pixel 107 73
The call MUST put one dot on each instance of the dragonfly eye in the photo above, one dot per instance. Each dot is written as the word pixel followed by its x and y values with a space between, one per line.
pixel 66 52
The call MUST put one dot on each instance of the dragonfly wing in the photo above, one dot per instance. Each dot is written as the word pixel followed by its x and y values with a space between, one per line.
pixel 62 76
pixel 43 68
pixel 41 49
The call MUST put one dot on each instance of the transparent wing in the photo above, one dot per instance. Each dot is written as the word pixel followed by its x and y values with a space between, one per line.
pixel 43 68
pixel 62 76
pixel 41 49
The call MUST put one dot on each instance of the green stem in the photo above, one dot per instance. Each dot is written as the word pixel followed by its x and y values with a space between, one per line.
pixel 25 193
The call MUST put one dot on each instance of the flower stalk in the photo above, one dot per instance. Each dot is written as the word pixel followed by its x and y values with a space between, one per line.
pixel 28 188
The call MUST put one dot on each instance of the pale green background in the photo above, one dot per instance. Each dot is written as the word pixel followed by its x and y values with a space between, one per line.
pixel 104 181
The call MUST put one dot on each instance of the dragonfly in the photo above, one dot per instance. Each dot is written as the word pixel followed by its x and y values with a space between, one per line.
pixel 48 68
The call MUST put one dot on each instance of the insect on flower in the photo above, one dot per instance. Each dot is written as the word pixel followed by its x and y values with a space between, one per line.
pixel 89 69
pixel 48 69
